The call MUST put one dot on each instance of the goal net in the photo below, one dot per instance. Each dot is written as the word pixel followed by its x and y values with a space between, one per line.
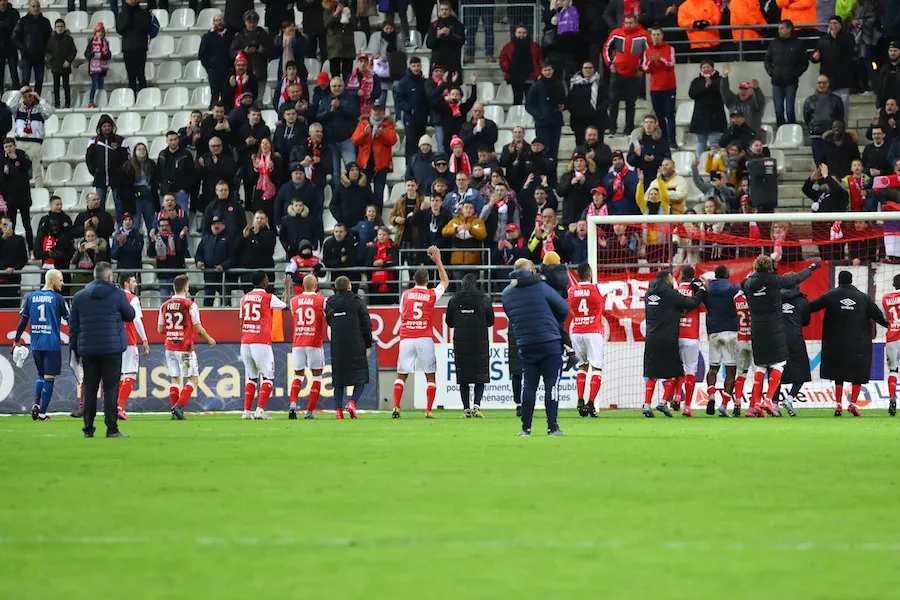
pixel 626 252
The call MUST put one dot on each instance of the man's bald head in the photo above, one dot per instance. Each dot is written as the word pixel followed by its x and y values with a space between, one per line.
pixel 523 264
pixel 310 283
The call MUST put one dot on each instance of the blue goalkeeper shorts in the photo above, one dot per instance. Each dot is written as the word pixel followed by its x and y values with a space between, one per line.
pixel 48 362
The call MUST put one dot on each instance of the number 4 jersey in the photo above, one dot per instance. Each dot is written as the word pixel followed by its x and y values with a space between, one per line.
pixel 308 309
pixel 586 303
pixel 416 310
pixel 891 304
pixel 178 316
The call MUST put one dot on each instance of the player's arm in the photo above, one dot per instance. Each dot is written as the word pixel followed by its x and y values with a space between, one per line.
pixel 23 323
pixel 277 303
pixel 160 324
pixel 435 255
pixel 139 325
pixel 876 315
pixel 195 319
pixel 289 269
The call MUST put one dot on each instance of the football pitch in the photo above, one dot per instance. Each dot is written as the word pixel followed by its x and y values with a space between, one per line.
pixel 624 507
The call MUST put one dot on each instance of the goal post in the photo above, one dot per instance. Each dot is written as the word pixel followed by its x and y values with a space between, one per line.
pixel 626 251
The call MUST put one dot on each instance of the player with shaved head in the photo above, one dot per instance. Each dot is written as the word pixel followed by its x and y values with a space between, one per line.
pixel 308 310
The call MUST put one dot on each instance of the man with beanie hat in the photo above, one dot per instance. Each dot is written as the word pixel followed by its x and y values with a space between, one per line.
pixel 420 165
pixel 105 156
pixel 887 84
pixel 241 82
pixel 834 53
pixel 411 103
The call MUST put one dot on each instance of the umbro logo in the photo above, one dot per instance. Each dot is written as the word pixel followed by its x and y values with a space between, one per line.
pixel 847 304
pixel 760 292
pixel 787 309
pixel 653 300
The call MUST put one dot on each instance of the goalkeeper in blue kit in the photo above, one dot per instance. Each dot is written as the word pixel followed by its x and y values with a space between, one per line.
pixel 44 310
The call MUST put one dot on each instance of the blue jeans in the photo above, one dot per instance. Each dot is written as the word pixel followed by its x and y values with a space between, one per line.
pixel 473 15
pixel 144 212
pixel 664 106
pixel 818 149
pixel 541 361
pixel 27 66
pixel 101 191
pixel 345 151
pixel 439 139
pixel 706 140
pixel 165 287
pixel 785 99
pixel 96 86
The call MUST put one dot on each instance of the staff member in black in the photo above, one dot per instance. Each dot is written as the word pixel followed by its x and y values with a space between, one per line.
pixel 470 314
pixel 351 340
pixel 97 338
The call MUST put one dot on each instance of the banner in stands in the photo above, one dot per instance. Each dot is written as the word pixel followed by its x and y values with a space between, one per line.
pixel 221 382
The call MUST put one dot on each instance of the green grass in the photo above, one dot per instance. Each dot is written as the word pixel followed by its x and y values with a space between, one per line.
pixel 623 507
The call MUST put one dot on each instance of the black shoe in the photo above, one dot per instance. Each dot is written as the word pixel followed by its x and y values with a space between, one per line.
pixel 518 411
pixel 88 434
pixel 711 407
pixel 292 414
pixel 676 405
pixel 177 413
pixel 648 412
pixel 892 407
pixel 582 411
pixel 664 409
pixel 571 359
pixel 76 414
pixel 395 414
pixel 590 410
pixel 35 411
pixel 117 434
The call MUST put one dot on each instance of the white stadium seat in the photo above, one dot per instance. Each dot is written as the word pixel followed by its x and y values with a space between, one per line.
pixel 51 126
pixel 157 145
pixel 504 137
pixel 58 174
pixel 504 94
pixel 788 136
pixel 115 44
pixel 162 46
pixel 155 123
pixel 121 99
pixel 128 123
pixel 82 177
pixel 205 18
pixel 359 40
pixel 169 72
pixel 270 118
pixel 133 141
pixel 77 20
pixel 494 113
pixel 69 197
pixel 272 69
pixel 76 149
pixel 54 149
pixel 107 18
pixel 91 129
pixel 176 98
pixel 40 200
pixel 684 113
pixel 683 162
pixel 188 46
pixel 179 120
pixel 782 160
pixel 486 92
pixel 182 18
pixel 162 16
pixel 767 133
pixel 201 97
pixel 518 116
pixel 149 99
pixel 194 72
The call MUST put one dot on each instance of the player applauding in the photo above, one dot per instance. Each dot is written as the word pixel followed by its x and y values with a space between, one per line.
pixel 256 344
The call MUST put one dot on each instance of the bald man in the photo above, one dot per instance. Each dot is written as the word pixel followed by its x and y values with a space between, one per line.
pixel 308 310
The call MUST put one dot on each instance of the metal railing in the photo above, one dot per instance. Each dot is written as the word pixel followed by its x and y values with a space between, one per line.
pixel 497 22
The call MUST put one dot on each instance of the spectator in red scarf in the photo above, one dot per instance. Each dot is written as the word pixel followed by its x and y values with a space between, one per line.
pixel 241 82
pixel 380 257
pixel 315 158
pixel 267 165
pixel 282 92
pixel 363 83
pixel 169 249
pixel 459 160
pixel 452 110
pixel 254 43
pixel 375 138
pixel 621 187
pixel 53 239
pixel 548 237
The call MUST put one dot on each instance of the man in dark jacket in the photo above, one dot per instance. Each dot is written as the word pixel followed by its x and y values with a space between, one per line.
pixel 213 167
pixel 512 159
pixel 127 246
pixel 785 62
pixel 662 358
pixel 9 53
pixel 257 246
pixel 175 172
pixel 445 38
pixel 819 111
pixel 847 338
pixel 545 101
pixel 708 120
pixel 13 257
pixel 841 149
pixel 888 82
pixel 169 249
pixel 94 217
pixel 290 132
pixel 31 34
pixel 722 327
pixel 351 196
pixel 534 311
pixel 105 155
pixel 876 157
pixel 431 219
pixel 215 56
pixel 255 42
pixel 133 24
pixel 216 124
pixel 834 53
pixel 249 137
pixel 575 188
pixel 351 338
pixel 650 149
pixel 215 256
pixel 299 225
pixel 228 209
pixel 588 102
pixel 770 351
pixel 6 120
pixel 297 187
pixel 478 132
pixel 97 338
pixel 411 104
pixel 53 238
pixel 15 176
pixel 738 132
pixel 470 315
pixel 420 164
pixel 595 149
pixel 339 252
pixel 339 113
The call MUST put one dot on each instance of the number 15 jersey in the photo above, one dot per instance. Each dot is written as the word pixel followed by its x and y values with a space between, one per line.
pixel 416 310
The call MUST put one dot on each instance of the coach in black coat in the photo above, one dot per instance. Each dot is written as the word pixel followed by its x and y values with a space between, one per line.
pixel 795 316
pixel 470 314
pixel 664 307
pixel 847 331
pixel 351 336
pixel 763 291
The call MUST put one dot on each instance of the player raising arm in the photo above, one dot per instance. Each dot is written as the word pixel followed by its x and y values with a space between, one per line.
pixel 308 310
pixel 416 341
pixel 44 309
pixel 134 331
pixel 256 344
pixel 179 318
pixel 586 305
pixel 688 339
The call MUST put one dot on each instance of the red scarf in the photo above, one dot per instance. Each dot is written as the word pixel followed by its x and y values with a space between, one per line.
pixel 264 166
pixel 549 244
pixel 857 193
pixel 314 150
pixel 365 83
pixel 886 181
pixel 454 109
pixel 238 89
pixel 619 184
pixel 382 277
pixel 460 164
pixel 285 84
pixel 594 211
pixel 48 245
pixel 99 49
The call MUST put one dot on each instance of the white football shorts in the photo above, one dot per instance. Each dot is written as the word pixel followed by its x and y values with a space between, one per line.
pixel 182 364
pixel 743 356
pixel 892 355
pixel 588 349
pixel 722 346
pixel 259 361
pixel 690 355
pixel 130 360
pixel 416 354
pixel 305 357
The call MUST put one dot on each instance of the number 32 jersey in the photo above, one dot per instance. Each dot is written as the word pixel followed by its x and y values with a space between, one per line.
pixel 178 316
pixel 586 304
pixel 416 310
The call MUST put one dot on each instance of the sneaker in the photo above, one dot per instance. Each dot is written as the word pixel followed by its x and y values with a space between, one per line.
pixel 92 105
pixel 737 411
pixel 395 414
pixel 117 434
pixel 524 433
pixel 261 415
pixel 43 417
pixel 838 412
pixel 711 406
pixel 664 409
pixel 351 410
pixel 687 412
pixel 518 411
pixel 121 415
pixel 571 360
pixel 676 405
pixel 770 408
pixel 582 411
pixel 789 404
pixel 556 432
pixel 723 411
pixel 476 413
pixel 310 417
pixel 648 412
pixel 590 410
pixel 339 414
pixel 469 60
pixel 292 413
pixel 791 412
pixel 89 434
pixel 178 412
pixel 247 416
pixel 35 411
pixel 854 410
pixel 467 414
pixel 76 414
pixel 892 407
pixel 428 415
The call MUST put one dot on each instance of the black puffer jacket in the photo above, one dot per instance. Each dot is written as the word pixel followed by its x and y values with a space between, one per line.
pixel 470 314
pixel 8 20
pixel 847 333
pixel 351 336
pixel 133 24
pixel 795 316
pixel 786 60
pixel 215 52
pixel 763 291
pixel 709 112
pixel 31 36
pixel 256 61
pixel 106 155
pixel 836 60
pixel 665 306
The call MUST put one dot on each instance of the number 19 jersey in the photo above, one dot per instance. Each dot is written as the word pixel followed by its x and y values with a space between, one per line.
pixel 178 316
pixel 586 303
pixel 416 310
pixel 308 309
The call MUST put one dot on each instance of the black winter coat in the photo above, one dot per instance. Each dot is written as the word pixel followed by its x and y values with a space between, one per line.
pixel 8 20
pixel 576 196
pixel 313 16
pixel 31 36
pixel 795 316
pixel 513 164
pixel 105 156
pixel 579 102
pixel 257 249
pixel 847 333
pixel 175 171
pixel 257 62
pixel 133 24
pixel 351 336
pixel 664 307
pixel 486 138
pixel 654 145
pixel 15 184
pixel 786 60
pixel 212 172
pixel 128 195
pixel 763 291
pixel 709 111
pixel 234 13
pixel 836 60
pixel 215 52
pixel 543 100
pixel 6 120
pixel 470 314
pixel 446 50
pixel 105 224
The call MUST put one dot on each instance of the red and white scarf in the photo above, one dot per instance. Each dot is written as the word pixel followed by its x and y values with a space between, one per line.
pixel 313 150
pixel 265 166
pixel 99 48
pixel 381 277
pixel 632 7
pixel 886 181
pixel 619 184
pixel 549 244
pixel 48 245
pixel 454 109
pixel 285 84
pixel 459 164
pixel 365 83
pixel 239 83
pixel 596 211
pixel 857 193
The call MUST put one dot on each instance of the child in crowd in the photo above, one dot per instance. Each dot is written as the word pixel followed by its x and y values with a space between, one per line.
pixel 366 230
pixel 98 56
pixel 59 56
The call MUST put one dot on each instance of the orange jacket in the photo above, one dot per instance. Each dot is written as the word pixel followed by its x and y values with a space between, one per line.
pixel 700 10
pixel 746 12
pixel 383 144
pixel 798 11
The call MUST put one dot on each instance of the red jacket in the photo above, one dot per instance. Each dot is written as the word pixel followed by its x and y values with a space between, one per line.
pixel 662 70
pixel 506 60
pixel 624 49
pixel 383 144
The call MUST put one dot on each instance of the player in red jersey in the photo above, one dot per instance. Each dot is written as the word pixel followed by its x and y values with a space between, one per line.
pixel 586 305
pixel 178 319
pixel 301 265
pixel 743 355
pixel 308 310
pixel 135 333
pixel 256 344
pixel 416 343
pixel 891 305
pixel 688 342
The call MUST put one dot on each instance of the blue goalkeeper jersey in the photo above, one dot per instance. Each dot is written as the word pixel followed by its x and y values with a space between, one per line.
pixel 45 310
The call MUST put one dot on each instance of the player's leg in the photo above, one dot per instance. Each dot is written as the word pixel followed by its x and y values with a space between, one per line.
pixel 193 381
pixel 854 398
pixel 690 356
pixel 465 390
pixel 298 359
pixel 716 342
pixel 265 363
pixel 173 364
pixel 479 394
pixel 339 402
pixel 892 358
pixel 129 376
pixel 580 351
pixel 52 368
pixel 839 398
pixel 668 394
pixel 251 377
pixel 594 356
pixel 791 396
pixel 315 389
pixel 38 356
pixel 769 405
pixel 728 391
pixel 355 395
pixel 427 360
pixel 649 388
pixel 406 364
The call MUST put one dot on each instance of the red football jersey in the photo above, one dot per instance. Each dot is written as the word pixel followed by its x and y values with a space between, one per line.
pixel 891 304
pixel 689 327
pixel 416 310
pixel 130 328
pixel 298 268
pixel 256 316
pixel 743 314
pixel 178 315
pixel 586 305
pixel 308 309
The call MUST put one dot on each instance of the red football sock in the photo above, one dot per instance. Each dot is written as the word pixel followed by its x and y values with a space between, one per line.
pixel 430 393
pixel 711 392
pixel 739 387
pixel 580 381
pixel 186 392
pixel 839 393
pixel 173 396
pixel 669 389
pixel 892 385
pixel 295 389
pixel 756 395
pixel 677 389
pixel 264 392
pixel 854 393
pixel 774 384
pixel 314 395
pixel 125 390
pixel 649 387
pixel 249 394
pixel 690 382
pixel 595 387
pixel 726 398
pixel 398 392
